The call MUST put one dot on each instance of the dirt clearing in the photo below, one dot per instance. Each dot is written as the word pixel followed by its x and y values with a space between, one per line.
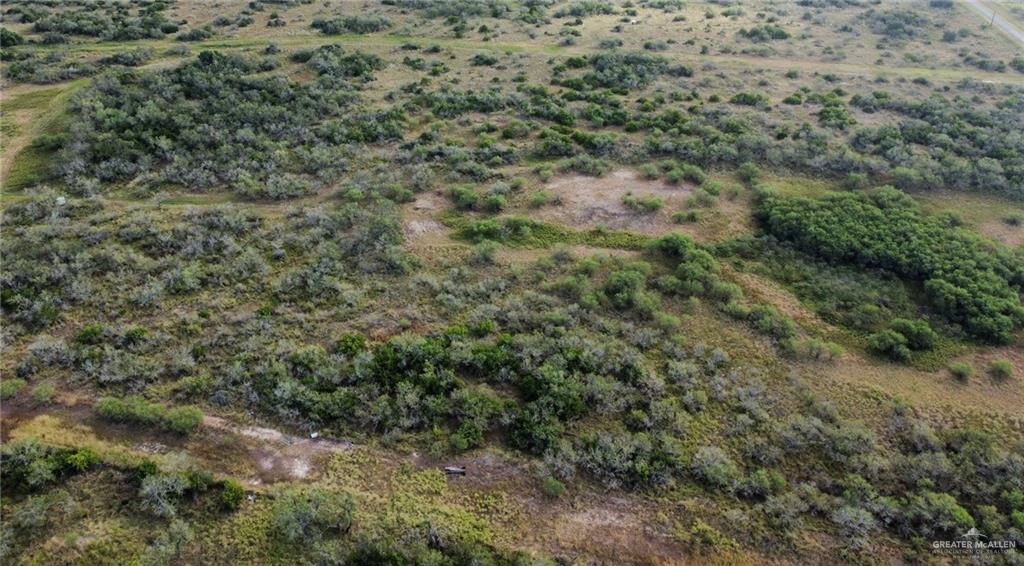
pixel 589 202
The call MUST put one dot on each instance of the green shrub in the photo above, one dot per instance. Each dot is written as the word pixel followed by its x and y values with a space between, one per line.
pixel 483 253
pixel 464 197
pixel 687 216
pixel 351 344
pixel 515 129
pixel 27 465
pixel 183 420
pixel 43 393
pixel 307 514
pixel 961 370
pixel 9 39
pixel 1001 369
pixel 750 99
pixel 90 335
pixel 484 60
pixel 553 488
pixel 891 344
pixel 649 171
pixel 646 204
pixel 134 409
pixel 764 32
pixel 232 494
pixel 713 466
pixel 351 24
pixel 494 203
pixel 10 387
pixel 82 459
pixel 919 335
pixel 793 99
pixel 542 198
pixel 161 492
pixel 749 173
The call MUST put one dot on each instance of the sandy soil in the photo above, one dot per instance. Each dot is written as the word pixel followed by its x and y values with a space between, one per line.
pixel 588 202
pixel 423 232
pixel 278 456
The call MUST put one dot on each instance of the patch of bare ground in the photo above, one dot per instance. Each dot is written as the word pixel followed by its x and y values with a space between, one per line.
pixel 589 202
pixel 423 231
pixel 278 456
pixel 259 456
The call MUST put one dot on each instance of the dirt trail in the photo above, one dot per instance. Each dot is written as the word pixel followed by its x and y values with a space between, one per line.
pixel 256 455
pixel 992 17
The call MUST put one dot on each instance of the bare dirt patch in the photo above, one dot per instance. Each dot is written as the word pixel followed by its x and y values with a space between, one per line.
pixel 420 225
pixel 278 456
pixel 588 202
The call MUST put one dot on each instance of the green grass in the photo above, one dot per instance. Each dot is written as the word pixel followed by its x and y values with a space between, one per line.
pixel 973 208
pixel 798 186
pixel 33 164
pixel 33 100
pixel 30 167
pixel 199 199
pixel 8 129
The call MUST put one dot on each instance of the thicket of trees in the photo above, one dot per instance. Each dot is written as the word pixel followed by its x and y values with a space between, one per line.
pixel 208 123
pixel 122 21
pixel 966 279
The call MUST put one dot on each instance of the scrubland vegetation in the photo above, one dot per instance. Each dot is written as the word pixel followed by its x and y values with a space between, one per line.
pixel 689 281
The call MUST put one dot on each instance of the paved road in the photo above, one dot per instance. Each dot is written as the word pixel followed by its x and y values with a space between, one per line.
pixel 1008 27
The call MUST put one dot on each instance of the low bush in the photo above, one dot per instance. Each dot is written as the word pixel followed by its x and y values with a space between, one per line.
pixel 43 393
pixel 134 409
pixel 1001 369
pixel 961 370
pixel 553 488
pixel 10 387
pixel 764 32
pixel 647 204
pixel 308 514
